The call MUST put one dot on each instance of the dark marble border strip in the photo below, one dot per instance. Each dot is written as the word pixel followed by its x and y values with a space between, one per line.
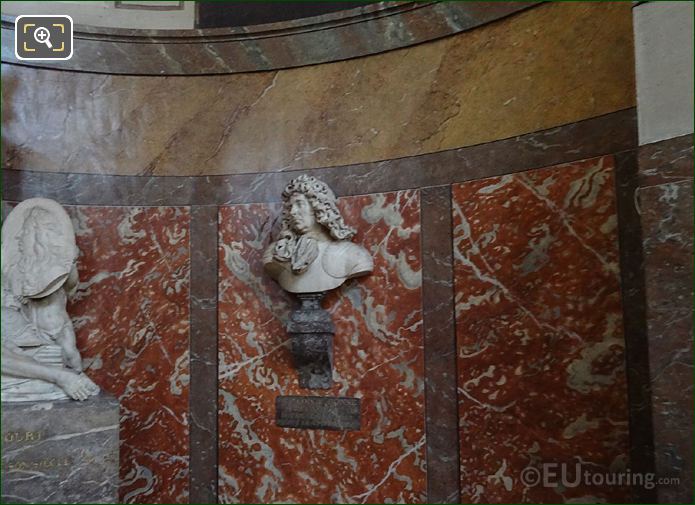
pixel 607 134
pixel 203 355
pixel 350 34
pixel 633 294
pixel 441 403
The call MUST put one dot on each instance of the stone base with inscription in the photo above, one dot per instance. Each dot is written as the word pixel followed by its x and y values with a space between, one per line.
pixel 61 451
pixel 318 412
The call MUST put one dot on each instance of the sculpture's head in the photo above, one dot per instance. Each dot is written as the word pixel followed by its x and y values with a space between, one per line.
pixel 302 218
pixel 39 233
pixel 308 203
pixel 38 248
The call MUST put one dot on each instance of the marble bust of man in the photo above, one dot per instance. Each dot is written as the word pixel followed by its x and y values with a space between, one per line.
pixel 40 360
pixel 313 252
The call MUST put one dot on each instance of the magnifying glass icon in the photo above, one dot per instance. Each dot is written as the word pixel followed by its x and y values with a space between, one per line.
pixel 43 36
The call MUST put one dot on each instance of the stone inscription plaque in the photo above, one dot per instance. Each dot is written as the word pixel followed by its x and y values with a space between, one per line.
pixel 318 412
pixel 61 451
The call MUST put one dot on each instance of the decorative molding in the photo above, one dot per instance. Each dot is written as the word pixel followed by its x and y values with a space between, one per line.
pixel 118 4
pixel 341 35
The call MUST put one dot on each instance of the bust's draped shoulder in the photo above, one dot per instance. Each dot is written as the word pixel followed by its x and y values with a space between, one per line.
pixel 345 259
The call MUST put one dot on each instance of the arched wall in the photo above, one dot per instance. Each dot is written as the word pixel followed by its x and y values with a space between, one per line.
pixel 521 131
pixel 541 68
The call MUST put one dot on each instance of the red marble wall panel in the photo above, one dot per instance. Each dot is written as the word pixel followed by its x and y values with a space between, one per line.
pixel 539 329
pixel 131 317
pixel 378 358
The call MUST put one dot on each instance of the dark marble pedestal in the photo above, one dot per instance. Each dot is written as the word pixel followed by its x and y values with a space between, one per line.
pixel 62 451
pixel 312 333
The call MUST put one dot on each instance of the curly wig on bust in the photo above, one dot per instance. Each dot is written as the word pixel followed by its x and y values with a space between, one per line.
pixel 322 201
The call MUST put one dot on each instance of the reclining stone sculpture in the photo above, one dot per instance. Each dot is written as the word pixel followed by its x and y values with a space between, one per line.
pixel 40 360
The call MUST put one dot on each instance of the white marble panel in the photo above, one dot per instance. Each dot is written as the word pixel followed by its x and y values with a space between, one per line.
pixel 664 62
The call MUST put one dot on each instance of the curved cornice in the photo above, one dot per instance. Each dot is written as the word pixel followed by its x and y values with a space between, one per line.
pixel 608 134
pixel 363 31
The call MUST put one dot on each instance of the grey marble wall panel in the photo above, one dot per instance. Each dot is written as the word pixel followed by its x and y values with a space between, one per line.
pixel 666 205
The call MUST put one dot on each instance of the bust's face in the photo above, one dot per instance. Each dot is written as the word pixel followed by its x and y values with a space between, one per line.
pixel 302 216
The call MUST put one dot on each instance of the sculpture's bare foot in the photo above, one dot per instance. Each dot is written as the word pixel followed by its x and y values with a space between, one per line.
pixel 77 386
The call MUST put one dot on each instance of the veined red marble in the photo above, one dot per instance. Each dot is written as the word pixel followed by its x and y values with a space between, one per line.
pixel 378 357
pixel 538 319
pixel 131 317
